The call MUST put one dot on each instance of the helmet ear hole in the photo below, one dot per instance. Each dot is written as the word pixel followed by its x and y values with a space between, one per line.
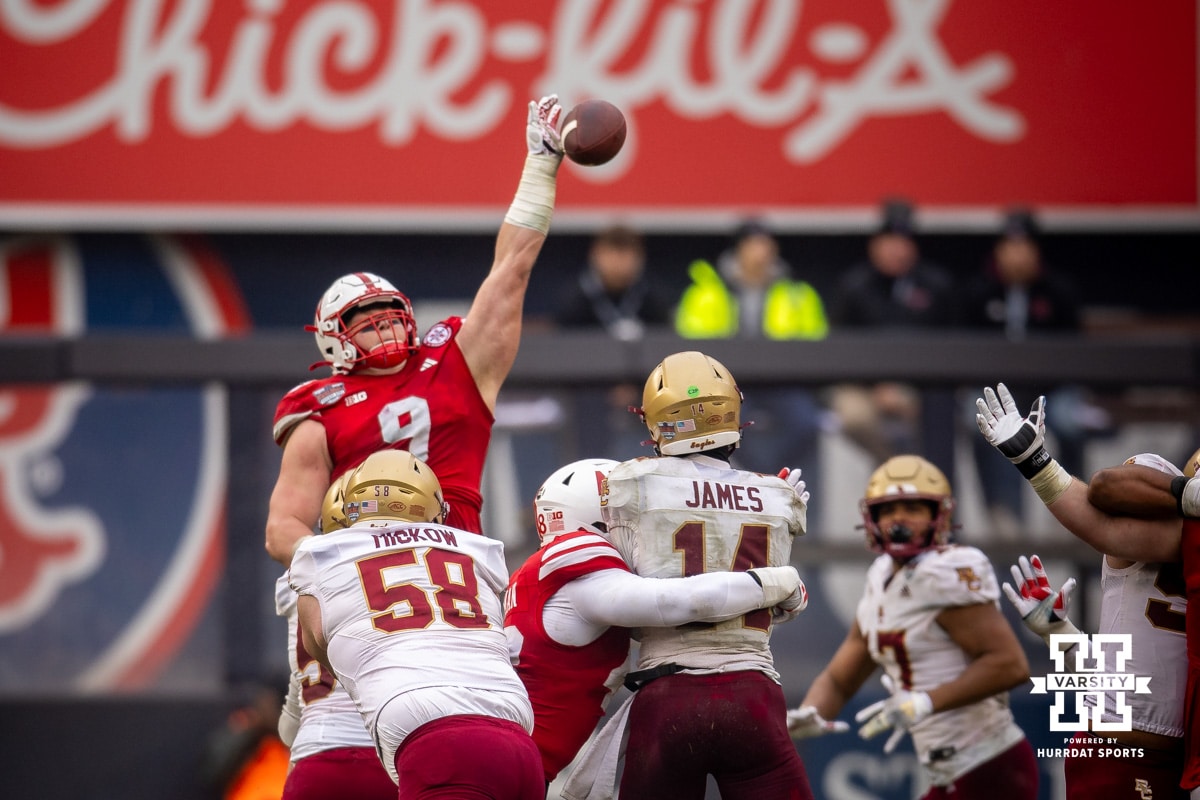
pixel 569 499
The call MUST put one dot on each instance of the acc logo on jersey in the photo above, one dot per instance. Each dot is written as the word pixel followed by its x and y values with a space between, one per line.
pixel 438 335
pixel 89 518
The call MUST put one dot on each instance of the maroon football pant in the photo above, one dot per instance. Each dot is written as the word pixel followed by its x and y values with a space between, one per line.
pixel 339 773
pixel 733 725
pixel 469 757
pixel 1012 775
pixel 1115 777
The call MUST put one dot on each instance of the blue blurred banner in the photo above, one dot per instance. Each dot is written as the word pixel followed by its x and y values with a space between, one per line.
pixel 112 499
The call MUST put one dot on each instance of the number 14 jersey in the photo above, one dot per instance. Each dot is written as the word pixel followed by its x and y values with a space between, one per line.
pixel 673 517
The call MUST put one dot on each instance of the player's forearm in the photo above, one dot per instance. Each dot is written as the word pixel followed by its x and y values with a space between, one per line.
pixel 826 696
pixel 283 532
pixel 289 715
pixel 1121 537
pixel 988 675
pixel 1133 489
pixel 620 598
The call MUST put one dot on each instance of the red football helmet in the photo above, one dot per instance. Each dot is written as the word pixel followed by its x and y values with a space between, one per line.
pixel 391 317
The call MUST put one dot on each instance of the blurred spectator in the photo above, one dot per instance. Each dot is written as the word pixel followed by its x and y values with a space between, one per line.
pixel 612 292
pixel 895 288
pixel 751 294
pixel 1018 295
pixel 244 759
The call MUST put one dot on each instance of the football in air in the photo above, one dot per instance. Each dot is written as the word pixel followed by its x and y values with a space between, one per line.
pixel 593 132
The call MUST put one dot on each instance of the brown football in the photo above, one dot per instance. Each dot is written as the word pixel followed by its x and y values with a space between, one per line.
pixel 593 132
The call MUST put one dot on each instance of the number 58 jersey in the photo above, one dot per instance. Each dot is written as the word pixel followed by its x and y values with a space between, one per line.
pixel 673 517
pixel 431 408
pixel 411 606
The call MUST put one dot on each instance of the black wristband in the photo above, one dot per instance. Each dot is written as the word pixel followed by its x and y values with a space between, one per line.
pixel 1033 465
pixel 757 579
pixel 1177 485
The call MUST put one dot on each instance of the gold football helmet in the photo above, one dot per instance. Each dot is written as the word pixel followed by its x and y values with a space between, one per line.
pixel 907 478
pixel 691 404
pixel 394 485
pixel 333 515
pixel 1193 463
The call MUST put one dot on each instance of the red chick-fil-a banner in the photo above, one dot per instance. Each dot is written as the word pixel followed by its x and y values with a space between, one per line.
pixel 395 113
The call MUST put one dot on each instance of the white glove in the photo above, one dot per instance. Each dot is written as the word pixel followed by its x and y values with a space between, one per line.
pixel 805 723
pixel 1043 610
pixel 541 130
pixel 900 711
pixel 790 608
pixel 1020 439
pixel 792 476
pixel 779 584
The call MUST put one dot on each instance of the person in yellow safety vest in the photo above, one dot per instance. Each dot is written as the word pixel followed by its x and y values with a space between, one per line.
pixel 750 295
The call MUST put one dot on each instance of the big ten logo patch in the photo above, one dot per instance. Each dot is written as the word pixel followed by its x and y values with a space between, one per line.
pixel 1090 682
pixel 550 521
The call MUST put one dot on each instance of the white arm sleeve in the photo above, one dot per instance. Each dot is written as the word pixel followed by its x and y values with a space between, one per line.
pixel 616 597
pixel 289 715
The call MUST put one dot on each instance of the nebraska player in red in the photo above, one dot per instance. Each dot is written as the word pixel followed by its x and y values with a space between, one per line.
pixel 1131 512
pixel 568 610
pixel 432 395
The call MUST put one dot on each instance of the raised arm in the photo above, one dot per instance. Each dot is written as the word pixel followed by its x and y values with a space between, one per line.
pixel 491 332
pixel 1022 440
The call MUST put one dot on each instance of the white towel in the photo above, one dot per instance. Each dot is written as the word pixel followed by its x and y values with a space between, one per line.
pixel 595 773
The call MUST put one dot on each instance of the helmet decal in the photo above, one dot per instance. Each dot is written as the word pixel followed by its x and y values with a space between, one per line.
pixel 570 499
pixel 691 403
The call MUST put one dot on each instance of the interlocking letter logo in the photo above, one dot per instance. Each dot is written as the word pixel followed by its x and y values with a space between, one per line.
pixel 1091 669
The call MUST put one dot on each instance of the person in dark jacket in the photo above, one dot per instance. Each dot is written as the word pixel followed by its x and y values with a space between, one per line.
pixel 612 291
pixel 1016 292
pixel 894 288
pixel 1019 295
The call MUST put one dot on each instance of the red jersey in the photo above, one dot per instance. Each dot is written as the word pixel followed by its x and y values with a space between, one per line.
pixel 431 408
pixel 1190 551
pixel 567 685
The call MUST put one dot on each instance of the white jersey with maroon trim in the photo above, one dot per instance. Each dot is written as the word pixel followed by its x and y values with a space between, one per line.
pixel 328 717
pixel 1148 601
pixel 898 616
pixel 412 606
pixel 673 517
